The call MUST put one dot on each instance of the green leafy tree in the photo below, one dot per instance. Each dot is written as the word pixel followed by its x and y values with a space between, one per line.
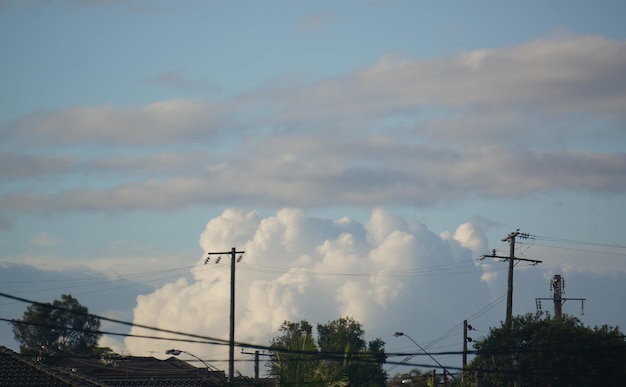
pixel 294 359
pixel 63 327
pixel 347 356
pixel 343 357
pixel 541 351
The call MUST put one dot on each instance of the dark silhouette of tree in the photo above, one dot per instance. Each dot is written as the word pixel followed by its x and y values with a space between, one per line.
pixel 543 351
pixel 61 327
pixel 294 359
pixel 340 357
pixel 346 357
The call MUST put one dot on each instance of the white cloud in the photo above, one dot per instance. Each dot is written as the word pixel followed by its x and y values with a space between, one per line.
pixel 542 79
pixel 315 21
pixel 471 237
pixel 44 239
pixel 542 117
pixel 297 267
pixel 176 80
pixel 155 124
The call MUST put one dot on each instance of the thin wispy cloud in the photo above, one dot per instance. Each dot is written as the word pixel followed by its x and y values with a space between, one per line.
pixel 316 21
pixel 406 140
pixel 175 80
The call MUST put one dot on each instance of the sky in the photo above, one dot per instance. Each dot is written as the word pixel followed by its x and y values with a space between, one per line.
pixel 363 154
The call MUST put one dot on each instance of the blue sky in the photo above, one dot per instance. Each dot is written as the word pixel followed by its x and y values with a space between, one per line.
pixel 129 129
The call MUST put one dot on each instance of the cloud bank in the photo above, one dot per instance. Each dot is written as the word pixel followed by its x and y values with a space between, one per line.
pixel 541 117
pixel 298 267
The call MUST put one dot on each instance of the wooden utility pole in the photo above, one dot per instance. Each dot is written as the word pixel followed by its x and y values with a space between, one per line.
pixel 256 355
pixel 511 259
pixel 256 363
pixel 466 339
pixel 464 348
pixel 231 342
pixel 509 290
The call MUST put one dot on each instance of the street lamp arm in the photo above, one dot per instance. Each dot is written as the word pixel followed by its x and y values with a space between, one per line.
pixel 398 334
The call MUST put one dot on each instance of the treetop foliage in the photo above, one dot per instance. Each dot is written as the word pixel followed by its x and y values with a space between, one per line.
pixel 339 357
pixel 61 327
pixel 542 351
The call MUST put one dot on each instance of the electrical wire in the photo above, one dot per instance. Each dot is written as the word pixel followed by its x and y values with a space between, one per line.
pixel 112 319
pixel 575 249
pixel 449 332
pixel 560 241
pixel 110 282
pixel 99 332
pixel 466 267
pixel 455 268
pixel 578 242
pixel 106 277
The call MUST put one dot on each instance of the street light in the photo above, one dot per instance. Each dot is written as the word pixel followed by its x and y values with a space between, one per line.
pixel 176 352
pixel 398 334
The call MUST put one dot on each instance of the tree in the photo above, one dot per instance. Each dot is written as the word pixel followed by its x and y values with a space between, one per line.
pixel 343 358
pixel 294 354
pixel 63 327
pixel 345 353
pixel 541 351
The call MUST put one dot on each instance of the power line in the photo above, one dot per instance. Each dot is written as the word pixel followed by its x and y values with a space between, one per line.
pixel 110 319
pixel 573 241
pixel 575 249
pixel 96 331
pixel 103 277
pixel 456 268
pixel 427 271
pixel 573 347
pixel 449 332
pixel 569 347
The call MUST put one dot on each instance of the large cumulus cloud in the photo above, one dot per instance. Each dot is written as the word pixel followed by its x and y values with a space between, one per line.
pixel 299 267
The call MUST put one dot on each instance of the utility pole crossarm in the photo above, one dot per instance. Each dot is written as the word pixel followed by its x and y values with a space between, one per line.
pixel 221 253
pixel 511 259
pixel 533 261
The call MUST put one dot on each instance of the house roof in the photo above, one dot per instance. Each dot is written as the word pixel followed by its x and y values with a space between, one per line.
pixel 131 371
pixel 141 371
pixel 21 371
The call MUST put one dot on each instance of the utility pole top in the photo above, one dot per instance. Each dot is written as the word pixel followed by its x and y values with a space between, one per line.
pixel 511 259
pixel 516 233
pixel 557 285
